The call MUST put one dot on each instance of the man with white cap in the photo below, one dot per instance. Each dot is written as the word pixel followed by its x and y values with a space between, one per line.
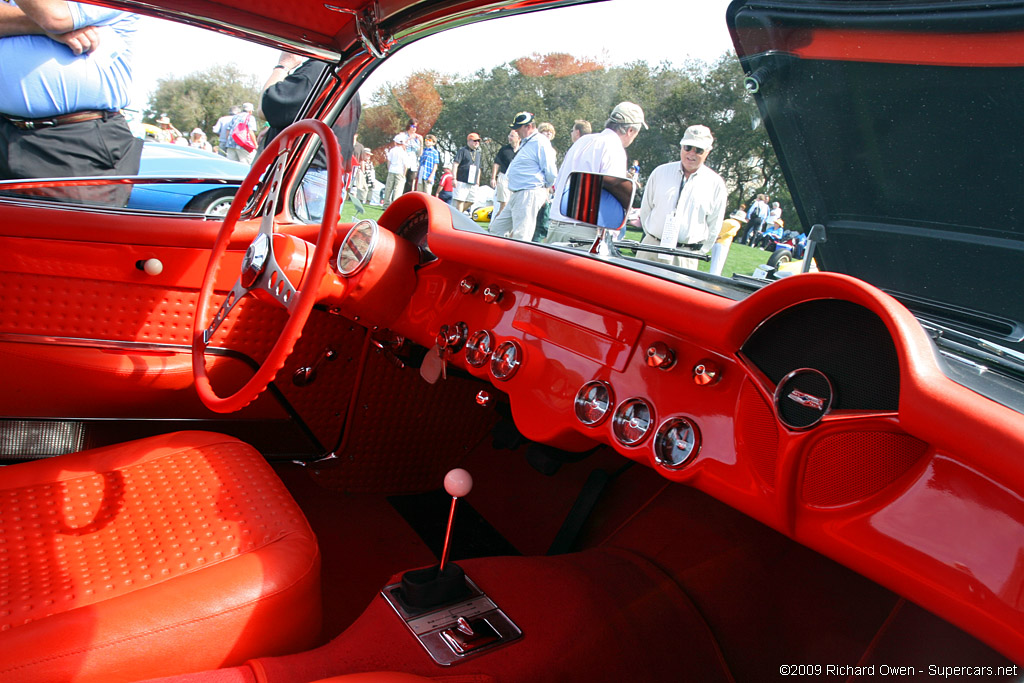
pixel 529 178
pixel 603 153
pixel 684 203
pixel 394 185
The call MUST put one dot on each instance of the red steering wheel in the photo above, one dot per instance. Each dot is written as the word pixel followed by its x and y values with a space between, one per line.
pixel 261 273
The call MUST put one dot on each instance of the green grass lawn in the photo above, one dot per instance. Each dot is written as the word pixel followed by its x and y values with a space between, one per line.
pixel 741 259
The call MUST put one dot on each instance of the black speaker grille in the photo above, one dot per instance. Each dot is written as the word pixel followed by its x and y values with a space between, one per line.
pixel 845 341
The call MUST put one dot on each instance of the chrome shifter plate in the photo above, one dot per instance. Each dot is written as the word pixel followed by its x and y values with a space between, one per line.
pixel 429 627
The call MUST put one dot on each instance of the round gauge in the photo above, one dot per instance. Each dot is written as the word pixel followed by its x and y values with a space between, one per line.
pixel 479 347
pixel 505 360
pixel 677 443
pixel 357 247
pixel 632 421
pixel 593 403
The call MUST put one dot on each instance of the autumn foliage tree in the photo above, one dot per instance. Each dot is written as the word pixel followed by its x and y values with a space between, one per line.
pixel 560 88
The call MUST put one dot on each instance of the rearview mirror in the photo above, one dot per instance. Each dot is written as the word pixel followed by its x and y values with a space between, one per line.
pixel 601 201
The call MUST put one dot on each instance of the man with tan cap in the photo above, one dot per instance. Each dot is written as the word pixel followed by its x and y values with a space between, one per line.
pixel 466 169
pixel 603 153
pixel 684 202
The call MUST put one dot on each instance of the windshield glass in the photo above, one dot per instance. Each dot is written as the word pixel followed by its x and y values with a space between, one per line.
pixel 495 117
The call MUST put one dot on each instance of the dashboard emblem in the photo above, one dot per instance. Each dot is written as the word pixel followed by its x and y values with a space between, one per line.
pixel 803 398
pixel 806 399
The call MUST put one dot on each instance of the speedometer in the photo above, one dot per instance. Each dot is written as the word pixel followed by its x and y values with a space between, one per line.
pixel 357 247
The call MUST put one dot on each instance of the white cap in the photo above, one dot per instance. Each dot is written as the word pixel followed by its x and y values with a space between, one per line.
pixel 698 136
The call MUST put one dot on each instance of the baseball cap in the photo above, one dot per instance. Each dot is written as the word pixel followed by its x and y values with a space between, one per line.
pixel 472 136
pixel 698 136
pixel 521 119
pixel 628 113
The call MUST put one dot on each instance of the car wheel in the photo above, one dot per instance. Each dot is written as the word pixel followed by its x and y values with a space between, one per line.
pixel 780 257
pixel 213 203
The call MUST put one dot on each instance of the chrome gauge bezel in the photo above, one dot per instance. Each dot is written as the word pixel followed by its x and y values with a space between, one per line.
pixel 505 360
pixel 594 403
pixel 361 257
pixel 479 348
pixel 677 444
pixel 629 426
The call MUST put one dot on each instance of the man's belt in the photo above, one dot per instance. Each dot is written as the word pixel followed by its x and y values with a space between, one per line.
pixel 61 119
pixel 689 247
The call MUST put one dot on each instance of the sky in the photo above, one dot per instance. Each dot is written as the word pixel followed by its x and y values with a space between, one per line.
pixel 697 31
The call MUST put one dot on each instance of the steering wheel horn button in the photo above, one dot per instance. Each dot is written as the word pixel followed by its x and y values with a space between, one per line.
pixel 255 260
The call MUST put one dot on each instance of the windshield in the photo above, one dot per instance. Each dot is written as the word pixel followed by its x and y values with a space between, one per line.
pixel 496 117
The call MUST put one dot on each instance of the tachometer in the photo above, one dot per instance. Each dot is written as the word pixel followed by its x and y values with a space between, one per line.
pixel 357 247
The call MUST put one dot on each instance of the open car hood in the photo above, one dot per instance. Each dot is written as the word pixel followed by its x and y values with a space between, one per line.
pixel 897 127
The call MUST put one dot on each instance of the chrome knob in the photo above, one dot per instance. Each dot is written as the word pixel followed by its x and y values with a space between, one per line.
pixel 492 294
pixel 660 356
pixel 468 285
pixel 452 337
pixel 706 372
pixel 482 398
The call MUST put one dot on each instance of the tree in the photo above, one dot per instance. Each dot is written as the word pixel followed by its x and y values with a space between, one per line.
pixel 561 88
pixel 200 98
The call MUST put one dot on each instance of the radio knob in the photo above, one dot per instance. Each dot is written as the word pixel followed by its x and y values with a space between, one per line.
pixel 706 372
pixel 660 356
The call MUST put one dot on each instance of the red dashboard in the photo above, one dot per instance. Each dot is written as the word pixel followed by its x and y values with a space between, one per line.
pixel 891 479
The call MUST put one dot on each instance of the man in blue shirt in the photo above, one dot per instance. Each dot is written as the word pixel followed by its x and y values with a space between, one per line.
pixel 530 177
pixel 66 74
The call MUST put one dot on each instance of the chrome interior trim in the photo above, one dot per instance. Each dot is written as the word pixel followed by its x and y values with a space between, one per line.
pixel 117 345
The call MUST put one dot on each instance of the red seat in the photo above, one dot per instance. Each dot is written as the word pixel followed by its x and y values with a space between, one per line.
pixel 156 557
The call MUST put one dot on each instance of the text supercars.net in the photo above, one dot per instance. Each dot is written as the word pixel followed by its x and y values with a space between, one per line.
pixel 889 670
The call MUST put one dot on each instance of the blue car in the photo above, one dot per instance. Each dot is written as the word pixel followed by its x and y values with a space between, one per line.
pixel 160 160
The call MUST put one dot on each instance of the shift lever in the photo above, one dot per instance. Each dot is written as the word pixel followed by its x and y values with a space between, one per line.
pixel 458 483
pixel 445 582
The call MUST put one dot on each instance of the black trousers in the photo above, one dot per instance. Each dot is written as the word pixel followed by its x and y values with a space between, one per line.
pixel 100 147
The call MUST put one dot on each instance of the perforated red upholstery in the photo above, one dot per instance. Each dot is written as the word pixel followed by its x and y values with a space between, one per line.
pixel 166 555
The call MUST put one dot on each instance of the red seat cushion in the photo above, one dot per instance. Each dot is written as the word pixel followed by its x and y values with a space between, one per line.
pixel 161 556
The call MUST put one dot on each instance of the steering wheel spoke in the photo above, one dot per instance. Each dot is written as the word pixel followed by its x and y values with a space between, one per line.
pixel 260 273
pixel 275 283
pixel 224 310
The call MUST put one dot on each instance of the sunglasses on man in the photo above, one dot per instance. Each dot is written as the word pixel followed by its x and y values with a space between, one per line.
pixel 691 148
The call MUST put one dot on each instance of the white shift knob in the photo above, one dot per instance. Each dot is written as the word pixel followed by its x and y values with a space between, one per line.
pixel 458 483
